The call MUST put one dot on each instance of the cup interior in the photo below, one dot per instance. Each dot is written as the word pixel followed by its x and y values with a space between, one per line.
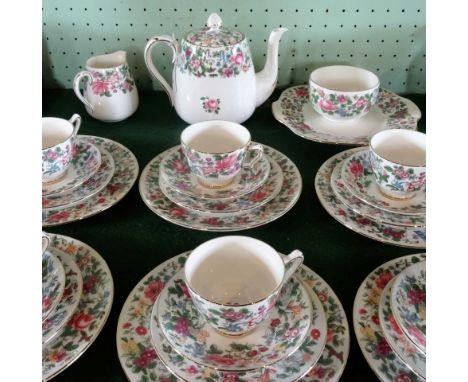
pixel 403 147
pixel 55 131
pixel 344 78
pixel 234 270
pixel 215 137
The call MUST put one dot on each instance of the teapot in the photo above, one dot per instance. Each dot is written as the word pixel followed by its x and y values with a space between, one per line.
pixel 213 75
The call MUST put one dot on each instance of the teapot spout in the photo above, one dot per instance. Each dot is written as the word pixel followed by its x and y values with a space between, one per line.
pixel 265 80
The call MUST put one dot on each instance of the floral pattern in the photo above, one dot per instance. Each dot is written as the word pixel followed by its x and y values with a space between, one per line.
pixel 257 198
pixel 91 313
pixel 396 338
pixel 126 173
pixel 357 205
pixel 277 207
pixel 224 62
pixel 397 180
pixel 210 105
pixel 54 324
pixel 53 283
pixel 107 82
pixel 176 172
pixel 192 337
pixel 360 181
pixel 386 233
pixel 409 304
pixel 89 188
pixel 339 105
pixel 86 161
pixel 291 108
pixel 56 159
pixel 376 350
pixel 140 363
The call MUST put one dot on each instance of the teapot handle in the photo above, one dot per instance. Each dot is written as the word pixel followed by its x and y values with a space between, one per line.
pixel 168 40
pixel 76 88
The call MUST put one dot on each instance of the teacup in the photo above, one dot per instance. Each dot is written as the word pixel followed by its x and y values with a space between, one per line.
pixel 398 160
pixel 58 146
pixel 341 92
pixel 234 281
pixel 215 151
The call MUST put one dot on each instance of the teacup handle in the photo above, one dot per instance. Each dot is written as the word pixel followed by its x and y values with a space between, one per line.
pixel 76 87
pixel 259 152
pixel 45 242
pixel 75 120
pixel 291 263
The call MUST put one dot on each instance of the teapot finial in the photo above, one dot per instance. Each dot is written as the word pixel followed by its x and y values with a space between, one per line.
pixel 214 21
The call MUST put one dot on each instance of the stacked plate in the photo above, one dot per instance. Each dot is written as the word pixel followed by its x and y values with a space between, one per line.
pixel 347 189
pixel 294 110
pixel 100 174
pixel 257 196
pixel 77 293
pixel 161 335
pixel 390 319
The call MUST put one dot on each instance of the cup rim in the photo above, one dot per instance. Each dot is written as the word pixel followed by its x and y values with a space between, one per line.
pixel 220 122
pixel 66 139
pixel 271 293
pixel 372 148
pixel 357 68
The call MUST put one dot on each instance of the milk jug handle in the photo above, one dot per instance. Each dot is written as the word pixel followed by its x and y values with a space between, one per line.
pixel 170 41
pixel 76 88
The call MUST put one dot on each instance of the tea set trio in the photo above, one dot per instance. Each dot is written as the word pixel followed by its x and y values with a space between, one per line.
pixel 234 309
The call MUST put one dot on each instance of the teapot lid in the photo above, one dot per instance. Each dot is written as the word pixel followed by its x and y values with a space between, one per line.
pixel 214 35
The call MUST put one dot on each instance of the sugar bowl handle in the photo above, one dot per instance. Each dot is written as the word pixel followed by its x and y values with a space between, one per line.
pixel 168 40
pixel 76 88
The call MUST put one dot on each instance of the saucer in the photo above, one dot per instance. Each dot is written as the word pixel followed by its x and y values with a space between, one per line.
pixel 92 311
pixel 174 169
pixel 155 199
pixel 295 110
pixel 53 283
pixel 257 198
pixel 53 325
pixel 193 338
pixel 125 175
pixel 360 207
pixel 409 304
pixel 89 188
pixel 386 233
pixel 375 348
pixel 359 179
pixel 139 359
pixel 86 161
pixel 400 344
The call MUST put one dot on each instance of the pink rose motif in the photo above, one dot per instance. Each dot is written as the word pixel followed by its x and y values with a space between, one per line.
pixel 141 330
pixel 420 337
pixel 223 360
pixel 394 325
pixel 80 321
pixel 330 335
pixel 230 377
pixel 185 291
pixel 383 348
pixel 402 174
pixel 403 378
pixel 232 315
pixel 178 212
pixel 320 92
pixel 213 221
pixel 228 72
pixel 180 167
pixel 89 283
pixel 302 92
pixel 182 326
pixel 291 333
pixel 52 155
pixel 326 105
pixel 195 63
pixel 416 296
pixel 99 87
pixel 188 52
pixel 145 358
pixel 397 235
pixel 46 302
pixel 315 334
pixel 208 169
pixel 360 103
pixel 383 279
pixel 318 372
pixel 275 322
pixel 341 98
pixel 192 370
pixel 226 163
pixel 356 169
pixel 153 290
pixel 238 58
pixel 211 104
